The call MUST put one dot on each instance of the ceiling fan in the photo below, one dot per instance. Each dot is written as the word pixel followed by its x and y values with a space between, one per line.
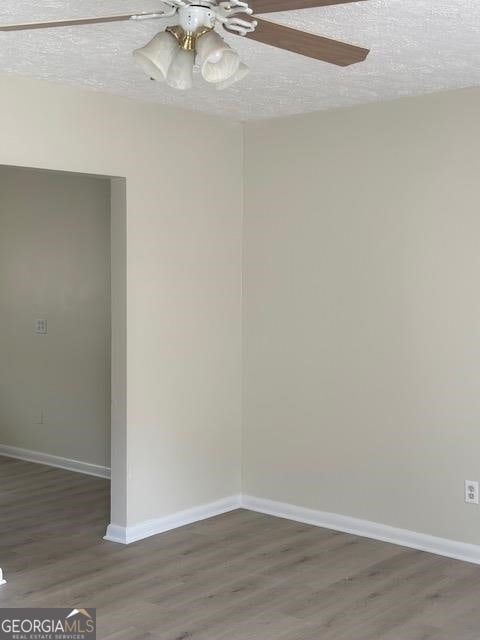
pixel 173 53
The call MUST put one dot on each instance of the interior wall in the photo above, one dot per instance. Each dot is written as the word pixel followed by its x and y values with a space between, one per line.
pixel 362 313
pixel 55 265
pixel 118 321
pixel 183 280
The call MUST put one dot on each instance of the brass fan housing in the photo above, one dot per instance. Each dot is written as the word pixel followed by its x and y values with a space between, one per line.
pixel 187 39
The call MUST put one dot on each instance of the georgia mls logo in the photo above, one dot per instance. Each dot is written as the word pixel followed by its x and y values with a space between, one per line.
pixel 75 626
pixel 47 624
pixel 75 612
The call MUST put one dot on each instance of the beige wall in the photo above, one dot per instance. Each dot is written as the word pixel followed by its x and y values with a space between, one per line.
pixel 183 273
pixel 55 264
pixel 362 312
pixel 361 306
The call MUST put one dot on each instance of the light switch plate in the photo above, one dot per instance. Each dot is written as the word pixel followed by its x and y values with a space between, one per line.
pixel 471 492
pixel 41 326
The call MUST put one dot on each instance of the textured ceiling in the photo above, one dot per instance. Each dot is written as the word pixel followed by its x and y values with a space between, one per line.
pixel 417 46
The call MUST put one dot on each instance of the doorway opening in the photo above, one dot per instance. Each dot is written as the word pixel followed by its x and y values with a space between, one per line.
pixel 62 310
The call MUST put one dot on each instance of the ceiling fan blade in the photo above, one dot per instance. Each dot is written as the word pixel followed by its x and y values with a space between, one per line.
pixel 307 44
pixel 269 6
pixel 77 21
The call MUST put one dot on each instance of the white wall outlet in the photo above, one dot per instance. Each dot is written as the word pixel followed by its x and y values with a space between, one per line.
pixel 471 491
pixel 41 326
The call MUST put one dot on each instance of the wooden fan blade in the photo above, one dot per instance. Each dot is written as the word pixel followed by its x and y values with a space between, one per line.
pixel 75 21
pixel 269 6
pixel 307 44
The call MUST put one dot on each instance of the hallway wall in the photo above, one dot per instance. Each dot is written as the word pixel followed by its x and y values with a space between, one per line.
pixel 55 265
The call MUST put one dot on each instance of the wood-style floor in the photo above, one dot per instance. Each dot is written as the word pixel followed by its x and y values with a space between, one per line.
pixel 241 576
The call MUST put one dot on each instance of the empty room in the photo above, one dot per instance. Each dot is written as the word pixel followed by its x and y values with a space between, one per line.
pixel 240 321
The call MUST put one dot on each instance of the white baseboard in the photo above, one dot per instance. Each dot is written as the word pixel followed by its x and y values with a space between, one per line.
pixel 126 535
pixel 367 529
pixel 55 461
pixel 355 526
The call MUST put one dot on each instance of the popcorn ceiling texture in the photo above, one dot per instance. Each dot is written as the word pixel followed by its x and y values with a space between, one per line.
pixel 418 46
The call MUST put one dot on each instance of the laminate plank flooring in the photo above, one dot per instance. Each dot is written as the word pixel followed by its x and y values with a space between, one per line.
pixel 240 576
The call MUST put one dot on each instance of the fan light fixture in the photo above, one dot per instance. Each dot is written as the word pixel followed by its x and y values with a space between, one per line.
pixel 218 62
pixel 171 55
pixel 156 57
pixel 180 72
pixel 242 71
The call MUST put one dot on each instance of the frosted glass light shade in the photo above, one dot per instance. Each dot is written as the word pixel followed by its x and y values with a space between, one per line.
pixel 156 56
pixel 180 73
pixel 243 71
pixel 218 62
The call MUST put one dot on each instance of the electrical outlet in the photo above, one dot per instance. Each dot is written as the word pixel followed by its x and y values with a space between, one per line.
pixel 471 492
